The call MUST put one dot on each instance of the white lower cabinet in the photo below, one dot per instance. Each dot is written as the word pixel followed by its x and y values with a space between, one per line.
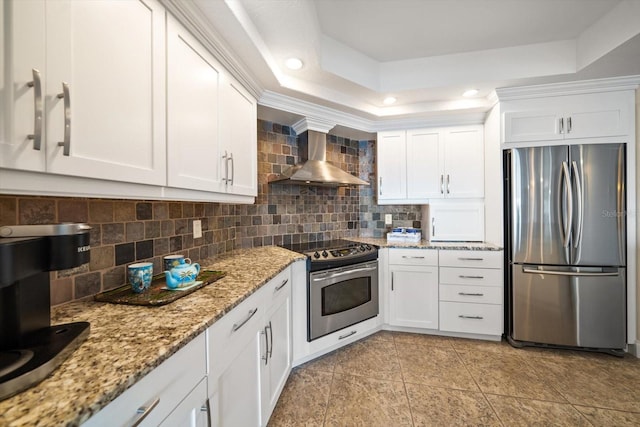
pixel 413 296
pixel 471 292
pixel 250 356
pixel 171 394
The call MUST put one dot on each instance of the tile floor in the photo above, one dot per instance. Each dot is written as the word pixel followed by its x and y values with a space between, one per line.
pixel 399 379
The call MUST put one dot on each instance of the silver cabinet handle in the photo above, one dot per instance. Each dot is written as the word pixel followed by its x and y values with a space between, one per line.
pixel 66 142
pixel 226 168
pixel 470 259
pixel 207 408
pixel 448 184
pixel 266 346
pixel 380 185
pixel 341 337
pixel 561 125
pixel 462 316
pixel 37 110
pixel 144 411
pixel 284 282
pixel 470 277
pixel 433 227
pixel 270 348
pixel 412 257
pixel 470 294
pixel 568 124
pixel 237 326
pixel 233 169
pixel 441 184
pixel 392 280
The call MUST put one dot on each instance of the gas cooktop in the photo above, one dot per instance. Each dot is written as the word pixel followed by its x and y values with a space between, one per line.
pixel 329 250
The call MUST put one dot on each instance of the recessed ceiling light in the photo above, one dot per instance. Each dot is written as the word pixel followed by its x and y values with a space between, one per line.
pixel 470 92
pixel 293 63
pixel 389 100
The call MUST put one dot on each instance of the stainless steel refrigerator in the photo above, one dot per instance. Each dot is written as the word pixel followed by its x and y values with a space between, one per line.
pixel 566 246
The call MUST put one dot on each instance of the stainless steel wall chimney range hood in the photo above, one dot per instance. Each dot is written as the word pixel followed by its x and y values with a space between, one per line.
pixel 314 170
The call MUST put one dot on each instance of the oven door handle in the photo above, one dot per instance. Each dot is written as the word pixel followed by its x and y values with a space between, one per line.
pixel 344 273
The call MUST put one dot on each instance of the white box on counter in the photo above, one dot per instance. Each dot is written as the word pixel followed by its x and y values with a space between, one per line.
pixel 404 234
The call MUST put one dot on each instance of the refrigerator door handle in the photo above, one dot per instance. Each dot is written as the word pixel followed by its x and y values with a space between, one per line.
pixel 571 273
pixel 567 215
pixel 576 176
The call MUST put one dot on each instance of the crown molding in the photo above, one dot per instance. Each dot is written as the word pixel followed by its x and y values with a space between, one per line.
pixel 569 88
pixel 190 16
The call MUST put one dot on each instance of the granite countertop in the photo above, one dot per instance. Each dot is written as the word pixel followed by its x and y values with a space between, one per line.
pixel 425 244
pixel 127 342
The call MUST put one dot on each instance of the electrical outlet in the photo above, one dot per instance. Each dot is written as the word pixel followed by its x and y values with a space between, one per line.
pixel 197 229
pixel 388 219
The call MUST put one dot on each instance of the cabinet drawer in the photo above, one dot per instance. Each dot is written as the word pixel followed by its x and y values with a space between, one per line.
pixel 471 318
pixel 473 294
pixel 471 276
pixel 278 287
pixel 413 256
pixel 229 335
pixel 482 259
pixel 161 390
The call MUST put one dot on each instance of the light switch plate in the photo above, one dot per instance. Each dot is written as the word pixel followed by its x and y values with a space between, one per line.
pixel 197 229
pixel 388 219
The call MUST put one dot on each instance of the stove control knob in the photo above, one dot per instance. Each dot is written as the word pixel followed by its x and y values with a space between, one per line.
pixel 368 247
pixel 316 255
pixel 325 254
pixel 362 248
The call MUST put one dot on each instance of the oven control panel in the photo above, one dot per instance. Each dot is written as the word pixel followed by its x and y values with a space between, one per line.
pixel 341 253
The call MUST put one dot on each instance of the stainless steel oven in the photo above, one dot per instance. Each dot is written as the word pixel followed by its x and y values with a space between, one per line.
pixel 341 297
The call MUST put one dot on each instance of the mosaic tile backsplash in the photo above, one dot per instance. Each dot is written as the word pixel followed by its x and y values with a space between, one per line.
pixel 125 231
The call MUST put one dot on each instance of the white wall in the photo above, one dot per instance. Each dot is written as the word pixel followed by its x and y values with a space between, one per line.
pixel 493 178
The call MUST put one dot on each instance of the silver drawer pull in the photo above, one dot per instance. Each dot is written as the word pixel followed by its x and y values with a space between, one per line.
pixel 471 259
pixel 237 326
pixel 341 337
pixel 462 316
pixel 284 282
pixel 412 257
pixel 470 277
pixel 144 411
pixel 469 294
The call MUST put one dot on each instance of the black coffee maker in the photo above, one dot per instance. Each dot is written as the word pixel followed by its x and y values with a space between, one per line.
pixel 30 348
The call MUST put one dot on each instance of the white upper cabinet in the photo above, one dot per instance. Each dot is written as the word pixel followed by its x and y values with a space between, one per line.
pixel 592 115
pixel 98 94
pixel 239 139
pixel 463 163
pixel 392 165
pixel 105 90
pixel 193 100
pixel 425 164
pixel 22 68
pixel 417 166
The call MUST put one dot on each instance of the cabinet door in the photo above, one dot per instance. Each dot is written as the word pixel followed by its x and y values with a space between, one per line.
pixel 414 297
pixel 112 57
pixel 22 50
pixel 238 388
pixel 193 96
pixel 239 139
pixel 464 162
pixel 598 115
pixel 425 171
pixel 392 165
pixel 543 125
pixel 277 365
